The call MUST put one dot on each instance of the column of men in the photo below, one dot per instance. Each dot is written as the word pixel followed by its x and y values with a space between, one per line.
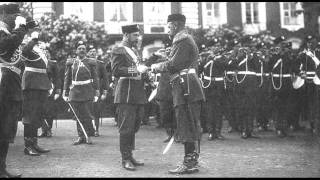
pixel 246 81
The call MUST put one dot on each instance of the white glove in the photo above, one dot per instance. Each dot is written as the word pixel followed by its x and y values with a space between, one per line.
pixel 56 96
pixel 19 21
pixel 65 98
pixel 142 68
pixel 95 98
pixel 35 35
pixel 103 97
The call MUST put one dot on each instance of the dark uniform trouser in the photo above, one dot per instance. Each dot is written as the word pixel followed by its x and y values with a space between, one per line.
pixel 82 109
pixel 263 106
pixel 311 99
pixel 167 116
pixel 10 113
pixel 298 103
pixel 203 116
pixel 50 114
pixel 129 120
pixel 97 113
pixel 246 110
pixel 231 114
pixel 282 108
pixel 215 108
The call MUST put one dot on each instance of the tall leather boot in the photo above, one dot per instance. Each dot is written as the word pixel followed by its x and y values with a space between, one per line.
pixel 189 165
pixel 126 152
pixel 132 147
pixel 37 148
pixel 28 147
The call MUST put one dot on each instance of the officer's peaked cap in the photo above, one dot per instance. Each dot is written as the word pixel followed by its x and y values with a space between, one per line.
pixel 80 43
pixel 130 28
pixel 279 40
pixel 176 17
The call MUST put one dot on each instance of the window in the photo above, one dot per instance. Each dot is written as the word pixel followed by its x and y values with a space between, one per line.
pixel 117 14
pixel 155 16
pixel 84 10
pixel 254 17
pixel 214 13
pixel 190 10
pixel 252 13
pixel 289 18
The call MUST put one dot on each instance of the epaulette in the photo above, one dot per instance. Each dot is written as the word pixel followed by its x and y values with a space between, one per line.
pixel 3 27
pixel 70 61
pixel 118 50
pixel 92 61
pixel 180 37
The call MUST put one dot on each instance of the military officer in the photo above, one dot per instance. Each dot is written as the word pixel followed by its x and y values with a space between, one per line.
pixel 103 82
pixel 129 93
pixel 81 87
pixel 12 31
pixel 36 85
pixel 186 90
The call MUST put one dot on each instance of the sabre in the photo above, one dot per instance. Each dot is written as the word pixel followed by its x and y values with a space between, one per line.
pixel 46 123
pixel 78 120
pixel 166 149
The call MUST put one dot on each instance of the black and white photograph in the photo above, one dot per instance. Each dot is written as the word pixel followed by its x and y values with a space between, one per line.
pixel 159 89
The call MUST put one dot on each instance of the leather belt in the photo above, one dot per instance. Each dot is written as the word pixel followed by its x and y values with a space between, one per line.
pixel 246 72
pixel 264 74
pixel 213 78
pixel 133 78
pixel 182 72
pixel 230 72
pixel 38 70
pixel 283 75
pixel 12 68
pixel 77 83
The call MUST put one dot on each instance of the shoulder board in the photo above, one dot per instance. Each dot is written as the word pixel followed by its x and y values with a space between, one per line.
pixel 118 50
pixel 70 61
pixel 3 27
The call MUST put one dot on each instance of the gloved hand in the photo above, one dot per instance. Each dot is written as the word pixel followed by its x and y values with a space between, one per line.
pixel 35 35
pixel 95 99
pixel 56 96
pixel 19 21
pixel 65 97
pixel 142 68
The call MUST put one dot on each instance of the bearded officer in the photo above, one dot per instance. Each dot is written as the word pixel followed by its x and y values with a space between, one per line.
pixel 186 91
pixel 12 31
pixel 103 82
pixel 81 87
pixel 36 85
pixel 130 96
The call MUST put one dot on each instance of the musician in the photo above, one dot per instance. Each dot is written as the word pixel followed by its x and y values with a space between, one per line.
pixel 103 82
pixel 186 91
pixel 306 69
pixel 36 84
pixel 81 88
pixel 281 65
pixel 130 96
pixel 12 31
pixel 264 109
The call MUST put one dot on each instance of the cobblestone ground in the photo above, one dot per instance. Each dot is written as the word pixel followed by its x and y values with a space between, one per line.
pixel 297 156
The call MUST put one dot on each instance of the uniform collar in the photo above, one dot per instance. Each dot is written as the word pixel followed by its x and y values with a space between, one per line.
pixel 180 36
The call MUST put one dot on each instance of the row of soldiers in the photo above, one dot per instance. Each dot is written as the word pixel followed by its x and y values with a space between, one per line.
pixel 244 81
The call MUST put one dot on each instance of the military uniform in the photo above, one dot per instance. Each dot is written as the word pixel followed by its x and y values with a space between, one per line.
pixel 81 85
pixel 10 82
pixel 187 94
pixel 130 96
pixel 36 85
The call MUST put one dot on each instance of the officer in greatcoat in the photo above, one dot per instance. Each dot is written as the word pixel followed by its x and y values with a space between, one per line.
pixel 186 91
pixel 130 96
pixel 81 88
pixel 12 31
pixel 36 86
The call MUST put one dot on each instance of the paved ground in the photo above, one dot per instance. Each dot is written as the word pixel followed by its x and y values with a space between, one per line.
pixel 297 156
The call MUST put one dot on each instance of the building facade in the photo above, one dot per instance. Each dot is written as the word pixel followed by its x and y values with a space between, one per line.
pixel 280 18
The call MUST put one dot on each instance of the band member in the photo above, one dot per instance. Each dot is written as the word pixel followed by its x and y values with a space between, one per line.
pixel 36 85
pixel 130 96
pixel 103 82
pixel 187 92
pixel 81 87
pixel 12 31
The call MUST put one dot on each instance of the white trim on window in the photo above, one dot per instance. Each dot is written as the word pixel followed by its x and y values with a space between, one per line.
pixel 296 24
pixel 121 17
pixel 155 16
pixel 84 10
pixel 254 27
pixel 212 17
